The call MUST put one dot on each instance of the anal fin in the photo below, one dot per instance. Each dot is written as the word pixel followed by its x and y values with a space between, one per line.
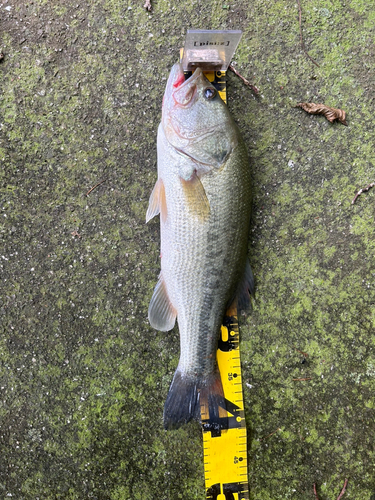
pixel 161 314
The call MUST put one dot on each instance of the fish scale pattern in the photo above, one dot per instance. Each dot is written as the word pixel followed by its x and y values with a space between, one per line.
pixel 203 260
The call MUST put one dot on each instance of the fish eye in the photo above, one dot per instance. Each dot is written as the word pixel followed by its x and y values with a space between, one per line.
pixel 209 93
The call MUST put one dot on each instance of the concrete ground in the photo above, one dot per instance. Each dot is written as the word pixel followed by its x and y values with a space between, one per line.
pixel 83 376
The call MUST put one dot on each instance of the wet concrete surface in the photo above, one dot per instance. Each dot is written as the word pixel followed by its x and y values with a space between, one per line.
pixel 83 376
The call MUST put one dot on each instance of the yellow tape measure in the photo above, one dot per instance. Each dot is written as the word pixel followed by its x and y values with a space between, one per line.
pixel 217 78
pixel 225 450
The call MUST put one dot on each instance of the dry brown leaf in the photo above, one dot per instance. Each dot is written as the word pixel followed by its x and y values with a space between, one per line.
pixel 331 114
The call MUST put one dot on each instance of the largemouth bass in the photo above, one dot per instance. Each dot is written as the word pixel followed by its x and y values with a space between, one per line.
pixel 203 197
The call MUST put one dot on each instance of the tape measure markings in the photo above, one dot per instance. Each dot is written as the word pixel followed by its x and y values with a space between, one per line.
pixel 225 450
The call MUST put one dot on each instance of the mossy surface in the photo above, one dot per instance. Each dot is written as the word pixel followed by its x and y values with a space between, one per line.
pixel 83 376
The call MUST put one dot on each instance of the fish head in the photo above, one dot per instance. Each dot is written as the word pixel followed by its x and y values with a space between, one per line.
pixel 196 121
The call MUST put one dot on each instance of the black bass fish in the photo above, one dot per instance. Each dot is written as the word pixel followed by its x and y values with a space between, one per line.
pixel 204 200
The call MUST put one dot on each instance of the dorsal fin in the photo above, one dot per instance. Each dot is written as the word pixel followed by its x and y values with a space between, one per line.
pixel 245 288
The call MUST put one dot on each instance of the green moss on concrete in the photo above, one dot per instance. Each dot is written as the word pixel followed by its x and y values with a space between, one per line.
pixel 83 377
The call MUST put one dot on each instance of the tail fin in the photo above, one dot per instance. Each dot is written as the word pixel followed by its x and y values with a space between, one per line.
pixel 188 394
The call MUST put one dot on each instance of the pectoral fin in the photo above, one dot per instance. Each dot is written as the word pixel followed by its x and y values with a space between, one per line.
pixel 196 197
pixel 161 314
pixel 157 203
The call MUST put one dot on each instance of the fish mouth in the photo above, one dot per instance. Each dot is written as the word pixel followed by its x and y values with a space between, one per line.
pixel 179 83
pixel 185 90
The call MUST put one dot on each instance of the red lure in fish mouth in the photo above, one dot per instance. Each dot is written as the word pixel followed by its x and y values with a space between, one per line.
pixel 179 81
